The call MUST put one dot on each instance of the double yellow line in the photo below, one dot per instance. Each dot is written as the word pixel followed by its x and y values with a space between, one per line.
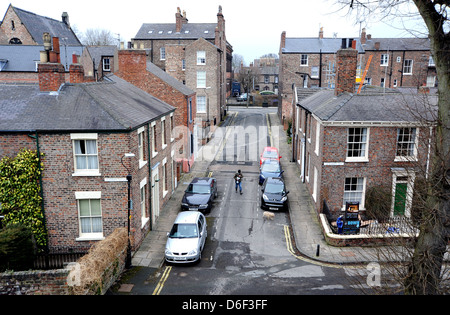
pixel 163 279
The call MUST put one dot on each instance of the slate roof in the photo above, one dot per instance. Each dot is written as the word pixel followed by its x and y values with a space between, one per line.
pixel 168 31
pixel 37 25
pixel 398 44
pixel 97 52
pixel 316 45
pixel 24 57
pixel 371 106
pixel 103 106
pixel 164 76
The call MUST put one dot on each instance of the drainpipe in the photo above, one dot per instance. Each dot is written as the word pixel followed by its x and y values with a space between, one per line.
pixel 36 137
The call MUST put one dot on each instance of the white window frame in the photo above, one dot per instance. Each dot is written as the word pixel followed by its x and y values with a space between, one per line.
pixel 164 177
pixel 201 104
pixel 201 79
pixel 411 142
pixel 303 60
pixel 88 195
pixel 408 69
pixel 384 62
pixel 143 200
pixel 359 191
pixel 154 146
pixel 85 137
pixel 106 64
pixel 201 58
pixel 162 53
pixel 315 72
pixel 365 156
pixel 163 133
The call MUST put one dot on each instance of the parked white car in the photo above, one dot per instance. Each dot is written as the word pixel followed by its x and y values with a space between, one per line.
pixel 186 240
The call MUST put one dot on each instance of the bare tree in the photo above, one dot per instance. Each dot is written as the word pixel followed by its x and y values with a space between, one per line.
pixel 424 271
pixel 98 37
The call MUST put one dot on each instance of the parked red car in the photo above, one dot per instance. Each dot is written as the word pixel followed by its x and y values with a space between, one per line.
pixel 269 153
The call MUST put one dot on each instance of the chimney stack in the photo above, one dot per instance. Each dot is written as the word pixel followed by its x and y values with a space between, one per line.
pixel 321 33
pixel 76 71
pixel 363 36
pixel 65 18
pixel 283 40
pixel 346 59
pixel 51 72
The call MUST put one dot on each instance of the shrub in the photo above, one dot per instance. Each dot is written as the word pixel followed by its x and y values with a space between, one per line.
pixel 16 248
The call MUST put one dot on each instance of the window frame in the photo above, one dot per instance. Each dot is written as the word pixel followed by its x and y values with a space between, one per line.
pixel 85 171
pixel 201 79
pixel 364 145
pixel 361 191
pixel 90 196
pixel 412 143
pixel 201 58
pixel 304 60
pixel 408 67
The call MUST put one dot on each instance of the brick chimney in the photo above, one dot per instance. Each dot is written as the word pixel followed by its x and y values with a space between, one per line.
pixel 132 64
pixel 76 71
pixel 321 33
pixel 346 59
pixel 179 22
pixel 363 36
pixel 51 72
pixel 51 76
pixel 283 40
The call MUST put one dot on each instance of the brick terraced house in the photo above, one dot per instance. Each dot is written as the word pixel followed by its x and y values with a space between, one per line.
pixel 132 65
pixel 85 131
pixel 345 143
pixel 310 63
pixel 196 54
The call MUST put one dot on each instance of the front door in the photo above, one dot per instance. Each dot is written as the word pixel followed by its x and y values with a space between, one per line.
pixel 400 198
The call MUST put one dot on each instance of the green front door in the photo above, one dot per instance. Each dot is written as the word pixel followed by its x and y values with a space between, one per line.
pixel 400 198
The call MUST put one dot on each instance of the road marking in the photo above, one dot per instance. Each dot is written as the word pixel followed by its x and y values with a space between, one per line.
pixel 291 250
pixel 162 280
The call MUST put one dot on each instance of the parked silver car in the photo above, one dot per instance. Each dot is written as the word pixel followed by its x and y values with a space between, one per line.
pixel 186 240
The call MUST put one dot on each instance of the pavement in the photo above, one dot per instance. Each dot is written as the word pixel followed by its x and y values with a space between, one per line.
pixel 309 241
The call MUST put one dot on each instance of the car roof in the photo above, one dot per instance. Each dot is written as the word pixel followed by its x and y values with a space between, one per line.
pixel 270 149
pixel 202 180
pixel 276 180
pixel 187 217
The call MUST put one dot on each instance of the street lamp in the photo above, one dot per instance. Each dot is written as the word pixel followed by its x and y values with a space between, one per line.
pixel 129 178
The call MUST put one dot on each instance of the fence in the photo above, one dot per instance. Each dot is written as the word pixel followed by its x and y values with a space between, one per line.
pixel 55 261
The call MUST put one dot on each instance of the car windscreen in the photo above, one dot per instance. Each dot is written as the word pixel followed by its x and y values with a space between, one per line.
pixel 270 154
pixel 198 189
pixel 274 188
pixel 184 230
pixel 271 167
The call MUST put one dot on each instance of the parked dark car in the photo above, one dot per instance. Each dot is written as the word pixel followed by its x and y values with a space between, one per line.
pixel 269 168
pixel 274 194
pixel 200 194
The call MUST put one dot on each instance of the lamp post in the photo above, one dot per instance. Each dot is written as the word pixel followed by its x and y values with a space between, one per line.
pixel 129 178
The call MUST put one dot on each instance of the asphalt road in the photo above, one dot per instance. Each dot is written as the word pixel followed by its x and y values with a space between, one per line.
pixel 245 253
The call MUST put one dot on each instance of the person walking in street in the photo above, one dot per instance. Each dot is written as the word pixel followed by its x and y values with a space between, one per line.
pixel 238 180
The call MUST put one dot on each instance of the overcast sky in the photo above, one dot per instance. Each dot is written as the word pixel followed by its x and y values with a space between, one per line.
pixel 253 28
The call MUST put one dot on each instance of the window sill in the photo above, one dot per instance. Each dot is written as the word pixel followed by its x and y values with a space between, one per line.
pixel 90 238
pixel 358 160
pixel 405 159
pixel 86 174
